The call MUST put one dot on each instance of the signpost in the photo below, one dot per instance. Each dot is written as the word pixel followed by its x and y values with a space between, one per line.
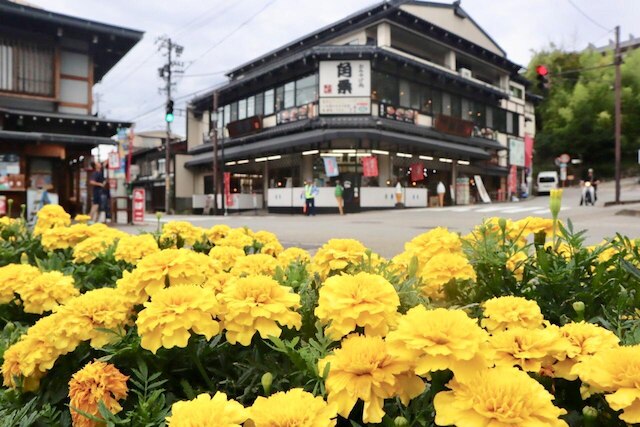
pixel 138 205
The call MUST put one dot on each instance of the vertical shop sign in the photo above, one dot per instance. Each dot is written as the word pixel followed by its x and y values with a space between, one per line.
pixel 331 166
pixel 138 205
pixel 417 171
pixel 227 189
pixel 513 179
pixel 370 166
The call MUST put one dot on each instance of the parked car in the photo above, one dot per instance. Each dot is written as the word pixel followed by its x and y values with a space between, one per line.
pixel 547 181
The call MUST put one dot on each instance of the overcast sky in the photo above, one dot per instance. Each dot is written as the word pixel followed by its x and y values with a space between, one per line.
pixel 218 35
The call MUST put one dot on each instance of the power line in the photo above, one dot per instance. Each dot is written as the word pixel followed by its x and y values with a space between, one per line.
pixel 189 27
pixel 213 73
pixel 238 28
pixel 593 21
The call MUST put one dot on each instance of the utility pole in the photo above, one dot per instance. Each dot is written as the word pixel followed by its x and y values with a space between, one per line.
pixel 618 112
pixel 166 73
pixel 214 136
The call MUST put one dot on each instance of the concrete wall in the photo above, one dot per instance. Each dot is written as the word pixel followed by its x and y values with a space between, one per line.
pixel 184 177
pixel 195 129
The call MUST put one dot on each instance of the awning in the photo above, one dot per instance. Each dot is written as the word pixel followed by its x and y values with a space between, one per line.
pixel 55 138
pixel 321 135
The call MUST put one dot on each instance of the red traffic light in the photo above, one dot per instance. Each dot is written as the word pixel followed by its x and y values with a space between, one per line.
pixel 541 70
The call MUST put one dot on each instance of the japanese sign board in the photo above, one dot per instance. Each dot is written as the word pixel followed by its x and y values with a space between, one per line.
pixel 138 205
pixel 417 171
pixel 370 166
pixel 114 160
pixel 400 114
pixel 331 166
pixel 513 179
pixel 227 189
pixel 345 87
pixel 516 152
pixel 294 114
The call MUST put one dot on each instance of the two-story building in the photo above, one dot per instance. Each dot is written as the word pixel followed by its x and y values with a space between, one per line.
pixel 49 63
pixel 408 91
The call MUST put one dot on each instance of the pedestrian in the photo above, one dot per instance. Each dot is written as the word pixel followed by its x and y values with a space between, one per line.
pixel 310 193
pixel 97 184
pixel 441 190
pixel 338 193
pixel 398 193
pixel 591 178
pixel 105 202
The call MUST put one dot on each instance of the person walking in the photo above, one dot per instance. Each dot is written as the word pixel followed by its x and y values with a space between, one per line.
pixel 338 193
pixel 310 193
pixel 97 185
pixel 441 190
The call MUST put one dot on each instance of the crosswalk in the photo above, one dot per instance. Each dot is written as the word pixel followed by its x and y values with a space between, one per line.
pixel 497 210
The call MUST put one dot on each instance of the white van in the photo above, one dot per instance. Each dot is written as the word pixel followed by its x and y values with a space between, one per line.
pixel 547 181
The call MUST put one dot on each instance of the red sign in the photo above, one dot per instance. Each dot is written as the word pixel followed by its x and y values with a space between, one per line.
pixel 453 125
pixel 528 151
pixel 227 189
pixel 417 172
pixel 138 205
pixel 564 158
pixel 513 179
pixel 370 166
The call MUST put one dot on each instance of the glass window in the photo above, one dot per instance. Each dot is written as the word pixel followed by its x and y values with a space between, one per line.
pixel 251 106
pixel 426 99
pixel 307 90
pixel 446 104
pixel 500 120
pixel 516 92
pixel 268 102
pixel 479 117
pixel 289 95
pixel 436 96
pixel 260 104
pixel 234 112
pixel 415 95
pixel 384 88
pixel 405 91
pixel 456 106
pixel 279 98
pixel 242 109
pixel 227 114
pixel 516 124
pixel 220 118
pixel 509 122
pixel 467 109
pixel 489 118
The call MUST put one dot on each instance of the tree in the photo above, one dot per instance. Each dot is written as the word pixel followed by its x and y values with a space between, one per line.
pixel 577 113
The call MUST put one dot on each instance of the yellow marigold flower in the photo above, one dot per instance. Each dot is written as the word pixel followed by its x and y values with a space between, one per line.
pixel 336 255
pixel 510 312
pixel 365 300
pixel 438 241
pixel 104 308
pixel 271 245
pixel 237 237
pixel 217 232
pixel 289 255
pixel 13 278
pixel 131 249
pixel 400 263
pixel 50 216
pixel 65 237
pixel 205 411
pixel 168 267
pixel 91 248
pixel 584 340
pixel 534 225
pixel 615 371
pixel 47 291
pixel 82 219
pixel 364 368
pixel 188 232
pixel 252 265
pixel 435 340
pixel 226 256
pixel 530 349
pixel 172 312
pixel 499 397
pixel 295 407
pixel 96 382
pixel 443 268
pixel 18 363
pixel 257 304
pixel 515 264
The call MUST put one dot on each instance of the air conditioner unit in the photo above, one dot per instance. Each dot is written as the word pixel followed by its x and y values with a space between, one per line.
pixel 465 72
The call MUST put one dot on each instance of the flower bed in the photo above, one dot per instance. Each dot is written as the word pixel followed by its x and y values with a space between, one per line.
pixel 515 324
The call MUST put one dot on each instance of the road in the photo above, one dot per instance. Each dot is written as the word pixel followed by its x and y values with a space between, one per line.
pixel 385 232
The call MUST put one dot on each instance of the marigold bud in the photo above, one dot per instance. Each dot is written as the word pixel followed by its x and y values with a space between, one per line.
pixel 266 380
pixel 24 258
pixel 590 412
pixel 555 202
pixel 578 306
pixel 400 422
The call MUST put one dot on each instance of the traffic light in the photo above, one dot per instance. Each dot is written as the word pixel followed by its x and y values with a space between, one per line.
pixel 169 111
pixel 542 76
